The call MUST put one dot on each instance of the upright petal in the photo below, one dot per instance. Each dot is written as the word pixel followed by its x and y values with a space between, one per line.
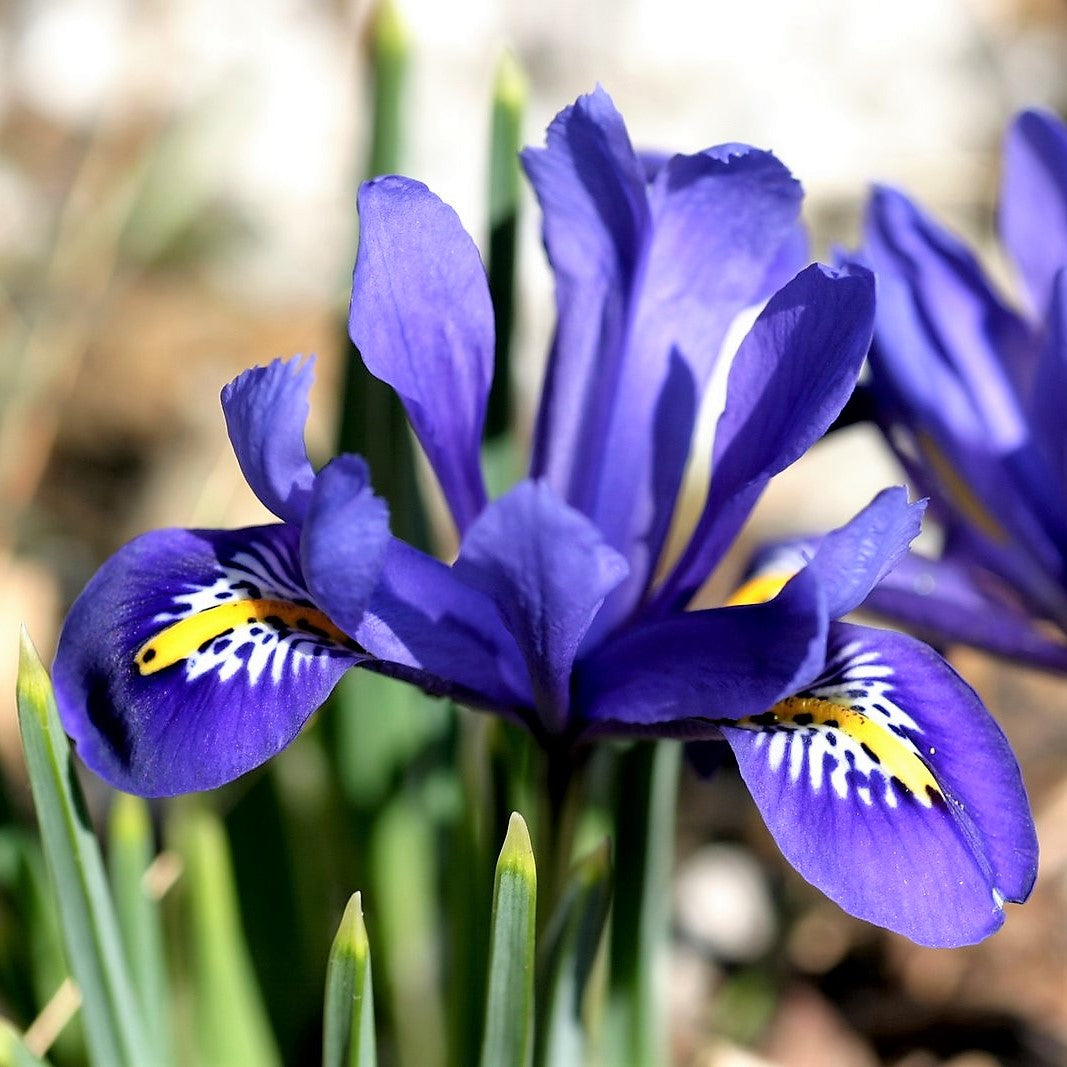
pixel 1033 202
pixel 193 656
pixel 647 282
pixel 266 409
pixel 423 321
pixel 957 351
pixel 1050 388
pixel 681 676
pixel 889 787
pixel 790 377
pixel 548 570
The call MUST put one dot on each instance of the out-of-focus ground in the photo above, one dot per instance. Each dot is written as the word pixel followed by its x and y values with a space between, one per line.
pixel 176 203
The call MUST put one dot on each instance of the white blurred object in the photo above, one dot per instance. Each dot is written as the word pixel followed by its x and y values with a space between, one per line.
pixel 723 905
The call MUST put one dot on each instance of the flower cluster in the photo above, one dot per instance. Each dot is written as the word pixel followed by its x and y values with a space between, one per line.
pixel 194 655
pixel 970 394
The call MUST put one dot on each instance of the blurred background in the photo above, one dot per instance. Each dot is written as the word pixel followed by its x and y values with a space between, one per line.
pixel 177 184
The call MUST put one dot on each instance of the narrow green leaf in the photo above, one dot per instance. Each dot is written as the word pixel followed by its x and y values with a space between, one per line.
pixel 403 871
pixel 572 950
pixel 131 850
pixel 509 1009
pixel 646 797
pixel 348 1018
pixel 231 1024
pixel 390 53
pixel 114 1027
pixel 509 104
pixel 13 1053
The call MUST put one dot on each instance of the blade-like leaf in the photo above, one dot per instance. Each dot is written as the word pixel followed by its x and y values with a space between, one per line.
pixel 647 792
pixel 114 1027
pixel 509 1009
pixel 131 850
pixel 572 948
pixel 232 1028
pixel 509 104
pixel 348 1017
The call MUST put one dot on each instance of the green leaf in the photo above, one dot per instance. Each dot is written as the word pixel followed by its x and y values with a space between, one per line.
pixel 509 104
pixel 231 1024
pixel 13 1053
pixel 348 1018
pixel 509 1009
pixel 390 52
pixel 566 1018
pixel 646 797
pixel 114 1027
pixel 131 851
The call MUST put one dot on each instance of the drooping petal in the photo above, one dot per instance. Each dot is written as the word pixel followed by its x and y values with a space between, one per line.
pixel 889 787
pixel 947 602
pixel 423 321
pixel 343 541
pixel 548 570
pixel 1033 202
pixel 193 656
pixel 426 625
pixel 790 377
pixel 648 281
pixel 848 562
pixel 266 409
pixel 681 676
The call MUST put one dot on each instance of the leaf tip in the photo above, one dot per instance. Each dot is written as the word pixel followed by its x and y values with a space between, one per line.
pixel 516 854
pixel 351 938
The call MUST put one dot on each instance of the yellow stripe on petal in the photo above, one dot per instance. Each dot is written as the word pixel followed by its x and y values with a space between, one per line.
pixel 895 756
pixel 959 492
pixel 195 633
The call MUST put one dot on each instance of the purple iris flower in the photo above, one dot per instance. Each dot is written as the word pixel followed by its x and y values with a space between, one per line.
pixel 970 393
pixel 194 655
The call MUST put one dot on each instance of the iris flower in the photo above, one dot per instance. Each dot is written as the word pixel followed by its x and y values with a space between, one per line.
pixel 194 655
pixel 970 392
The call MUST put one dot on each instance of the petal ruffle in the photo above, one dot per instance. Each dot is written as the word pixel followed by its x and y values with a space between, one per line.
pixel 1033 202
pixel 423 321
pixel 193 656
pixel 681 676
pixel 648 281
pixel 791 376
pixel 266 409
pixel 548 570
pixel 888 786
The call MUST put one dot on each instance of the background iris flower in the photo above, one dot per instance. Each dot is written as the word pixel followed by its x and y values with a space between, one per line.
pixel 194 655
pixel 970 393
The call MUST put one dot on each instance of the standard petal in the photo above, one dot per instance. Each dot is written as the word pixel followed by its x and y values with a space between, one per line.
pixel 343 541
pixel 790 377
pixel 423 321
pixel 848 562
pixel 648 282
pixel 426 625
pixel 949 602
pixel 681 676
pixel 947 345
pixel 266 409
pixel 548 570
pixel 193 656
pixel 1033 202
pixel 888 786
pixel 1050 388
